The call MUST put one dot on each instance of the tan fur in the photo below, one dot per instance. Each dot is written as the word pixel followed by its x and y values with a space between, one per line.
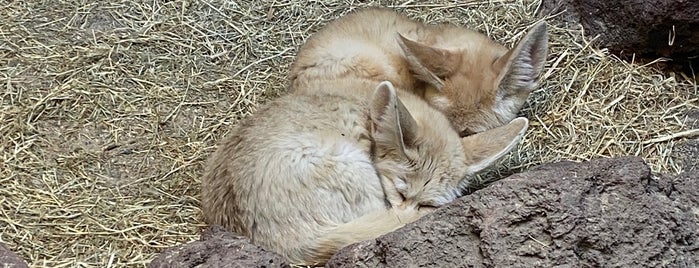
pixel 310 173
pixel 477 83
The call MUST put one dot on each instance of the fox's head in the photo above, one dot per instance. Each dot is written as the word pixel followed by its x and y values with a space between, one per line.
pixel 477 83
pixel 421 158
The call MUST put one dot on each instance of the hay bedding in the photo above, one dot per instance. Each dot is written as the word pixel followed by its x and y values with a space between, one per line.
pixel 110 109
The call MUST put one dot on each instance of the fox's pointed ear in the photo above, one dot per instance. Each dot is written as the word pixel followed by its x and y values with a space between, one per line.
pixel 392 124
pixel 486 147
pixel 430 64
pixel 519 69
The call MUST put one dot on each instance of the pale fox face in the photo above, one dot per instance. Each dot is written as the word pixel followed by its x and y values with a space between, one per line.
pixel 423 160
pixel 477 83
pixel 444 168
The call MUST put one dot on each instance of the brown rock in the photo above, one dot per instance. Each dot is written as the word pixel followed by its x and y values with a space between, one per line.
pixel 691 119
pixel 649 28
pixel 687 151
pixel 9 259
pixel 218 248
pixel 602 213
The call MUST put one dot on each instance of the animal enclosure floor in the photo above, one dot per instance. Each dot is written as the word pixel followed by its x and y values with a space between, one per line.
pixel 110 109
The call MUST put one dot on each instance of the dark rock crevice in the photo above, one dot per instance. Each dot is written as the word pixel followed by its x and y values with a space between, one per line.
pixel 646 29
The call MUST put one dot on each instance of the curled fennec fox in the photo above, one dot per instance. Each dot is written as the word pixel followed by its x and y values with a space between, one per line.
pixel 477 83
pixel 310 173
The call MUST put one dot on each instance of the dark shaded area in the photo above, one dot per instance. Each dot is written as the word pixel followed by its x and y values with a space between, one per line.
pixel 650 29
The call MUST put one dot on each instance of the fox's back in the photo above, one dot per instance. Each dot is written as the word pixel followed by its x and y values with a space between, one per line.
pixel 359 45
pixel 375 25
pixel 364 45
pixel 308 151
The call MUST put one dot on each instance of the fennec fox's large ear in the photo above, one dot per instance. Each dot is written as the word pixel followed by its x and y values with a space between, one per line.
pixel 392 125
pixel 430 64
pixel 484 148
pixel 519 68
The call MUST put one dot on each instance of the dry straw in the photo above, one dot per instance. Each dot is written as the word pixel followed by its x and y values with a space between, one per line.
pixel 109 109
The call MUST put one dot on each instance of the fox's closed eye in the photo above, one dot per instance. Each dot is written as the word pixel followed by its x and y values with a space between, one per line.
pixel 426 206
pixel 466 132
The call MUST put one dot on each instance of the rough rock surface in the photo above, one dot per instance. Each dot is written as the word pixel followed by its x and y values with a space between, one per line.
pixel 651 29
pixel 218 248
pixel 691 119
pixel 10 259
pixel 687 152
pixel 602 213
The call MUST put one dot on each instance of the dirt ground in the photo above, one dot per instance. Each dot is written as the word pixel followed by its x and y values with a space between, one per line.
pixel 109 109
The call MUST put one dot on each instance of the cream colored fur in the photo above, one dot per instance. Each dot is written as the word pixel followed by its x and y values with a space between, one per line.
pixel 310 173
pixel 477 83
